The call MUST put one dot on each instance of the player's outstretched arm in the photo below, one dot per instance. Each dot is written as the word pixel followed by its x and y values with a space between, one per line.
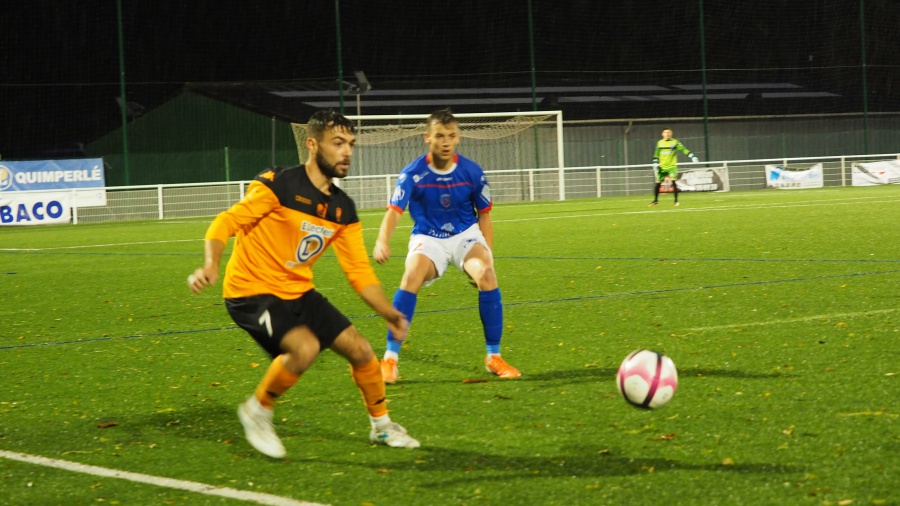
pixel 382 251
pixel 396 321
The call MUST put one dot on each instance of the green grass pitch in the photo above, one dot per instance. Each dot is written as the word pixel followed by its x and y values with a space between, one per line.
pixel 781 310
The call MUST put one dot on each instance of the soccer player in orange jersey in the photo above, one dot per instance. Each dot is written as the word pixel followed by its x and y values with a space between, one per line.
pixel 284 223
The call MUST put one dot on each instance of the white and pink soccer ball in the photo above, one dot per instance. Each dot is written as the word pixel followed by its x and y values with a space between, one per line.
pixel 647 379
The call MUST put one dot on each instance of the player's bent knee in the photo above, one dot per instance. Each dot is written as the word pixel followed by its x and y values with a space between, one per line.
pixel 487 280
pixel 412 281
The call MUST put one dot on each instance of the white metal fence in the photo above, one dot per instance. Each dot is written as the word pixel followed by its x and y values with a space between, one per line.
pixel 127 203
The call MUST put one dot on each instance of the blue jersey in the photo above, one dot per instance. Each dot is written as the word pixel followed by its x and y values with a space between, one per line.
pixel 442 203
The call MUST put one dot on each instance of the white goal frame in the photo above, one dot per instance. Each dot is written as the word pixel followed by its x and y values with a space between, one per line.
pixel 402 126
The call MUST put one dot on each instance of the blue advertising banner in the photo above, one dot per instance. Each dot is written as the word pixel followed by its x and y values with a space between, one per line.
pixel 51 175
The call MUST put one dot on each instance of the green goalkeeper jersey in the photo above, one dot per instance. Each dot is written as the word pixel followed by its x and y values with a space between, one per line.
pixel 666 153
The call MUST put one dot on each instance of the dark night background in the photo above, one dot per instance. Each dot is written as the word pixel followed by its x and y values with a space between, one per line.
pixel 59 66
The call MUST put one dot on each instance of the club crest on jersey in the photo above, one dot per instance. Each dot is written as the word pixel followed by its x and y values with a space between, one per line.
pixel 445 200
pixel 321 209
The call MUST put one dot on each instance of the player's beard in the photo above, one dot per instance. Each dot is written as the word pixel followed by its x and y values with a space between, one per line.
pixel 329 170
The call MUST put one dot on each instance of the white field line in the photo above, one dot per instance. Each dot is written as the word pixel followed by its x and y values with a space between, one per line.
pixel 100 245
pixel 190 486
pixel 822 317
pixel 757 205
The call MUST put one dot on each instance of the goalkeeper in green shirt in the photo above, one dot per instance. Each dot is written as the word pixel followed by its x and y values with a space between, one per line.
pixel 665 163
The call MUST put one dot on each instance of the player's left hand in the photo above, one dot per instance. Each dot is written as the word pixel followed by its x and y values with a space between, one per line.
pixel 397 324
pixel 695 159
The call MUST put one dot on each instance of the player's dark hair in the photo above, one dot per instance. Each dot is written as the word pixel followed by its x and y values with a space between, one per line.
pixel 327 119
pixel 442 117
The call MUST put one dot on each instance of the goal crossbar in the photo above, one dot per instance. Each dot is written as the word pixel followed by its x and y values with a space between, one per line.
pixel 375 129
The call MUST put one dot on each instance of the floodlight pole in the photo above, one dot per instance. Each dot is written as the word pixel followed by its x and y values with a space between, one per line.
pixel 340 62
pixel 865 104
pixel 706 153
pixel 362 85
pixel 359 126
pixel 124 104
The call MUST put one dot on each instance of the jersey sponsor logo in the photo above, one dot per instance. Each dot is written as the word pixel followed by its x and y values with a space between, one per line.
pixel 312 228
pixel 311 245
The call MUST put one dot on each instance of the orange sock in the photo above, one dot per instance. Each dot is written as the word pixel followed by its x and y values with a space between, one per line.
pixel 275 383
pixel 370 382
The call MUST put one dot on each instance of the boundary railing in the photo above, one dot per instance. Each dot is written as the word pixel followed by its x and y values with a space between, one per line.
pixel 196 200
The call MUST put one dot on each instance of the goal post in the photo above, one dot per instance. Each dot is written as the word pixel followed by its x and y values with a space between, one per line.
pixel 513 141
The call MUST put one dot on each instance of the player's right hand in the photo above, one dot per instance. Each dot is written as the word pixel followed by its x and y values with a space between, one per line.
pixel 382 252
pixel 202 278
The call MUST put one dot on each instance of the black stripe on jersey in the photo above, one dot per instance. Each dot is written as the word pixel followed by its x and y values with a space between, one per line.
pixel 295 191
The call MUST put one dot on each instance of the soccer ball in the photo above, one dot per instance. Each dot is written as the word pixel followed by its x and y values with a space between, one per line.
pixel 647 379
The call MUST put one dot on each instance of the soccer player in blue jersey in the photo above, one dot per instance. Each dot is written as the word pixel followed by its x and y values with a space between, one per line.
pixel 450 202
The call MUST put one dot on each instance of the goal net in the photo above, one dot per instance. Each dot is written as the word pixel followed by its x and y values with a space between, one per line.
pixel 496 141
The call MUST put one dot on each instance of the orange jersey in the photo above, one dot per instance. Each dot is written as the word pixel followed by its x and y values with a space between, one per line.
pixel 281 227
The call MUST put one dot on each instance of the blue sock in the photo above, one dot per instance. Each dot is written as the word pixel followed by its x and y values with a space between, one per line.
pixel 405 302
pixel 490 307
